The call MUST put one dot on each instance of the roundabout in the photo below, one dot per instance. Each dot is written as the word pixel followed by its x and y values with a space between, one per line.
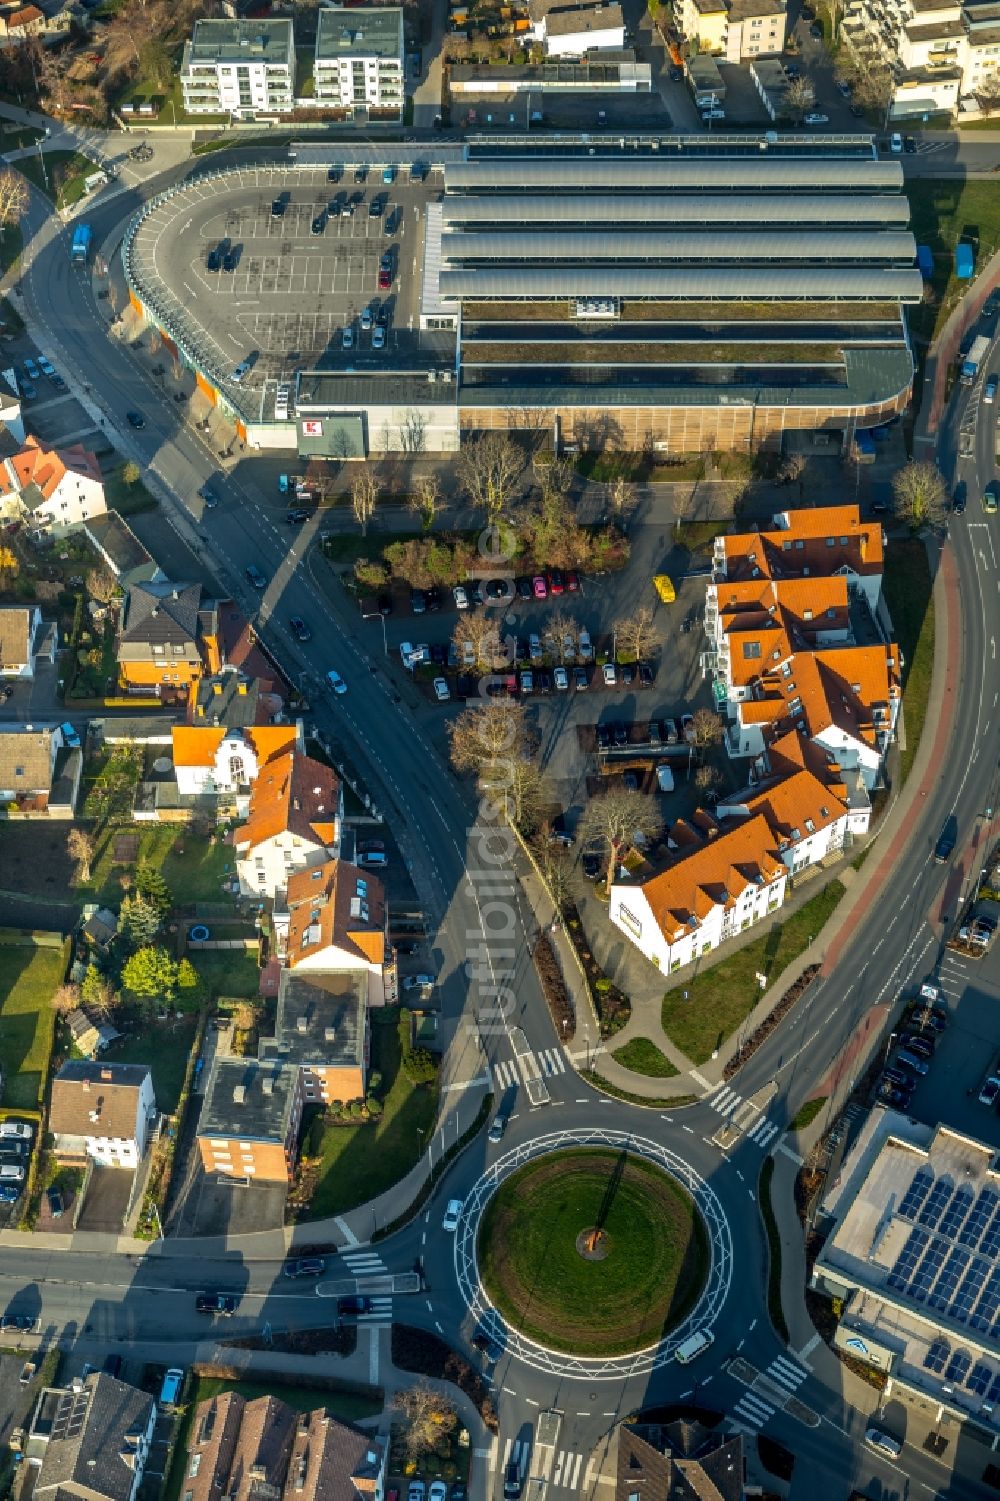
pixel 592 1253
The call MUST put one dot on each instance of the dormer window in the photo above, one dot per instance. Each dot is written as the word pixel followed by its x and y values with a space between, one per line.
pixel 810 826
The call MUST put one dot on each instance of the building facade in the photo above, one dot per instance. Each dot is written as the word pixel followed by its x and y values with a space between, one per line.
pixel 102 1112
pixel 242 68
pixel 358 66
pixel 295 817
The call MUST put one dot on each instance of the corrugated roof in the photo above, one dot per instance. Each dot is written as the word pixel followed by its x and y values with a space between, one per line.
pixel 758 208
pixel 702 282
pixel 662 172
pixel 614 244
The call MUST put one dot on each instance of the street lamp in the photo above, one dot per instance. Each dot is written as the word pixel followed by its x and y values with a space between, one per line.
pixel 385 640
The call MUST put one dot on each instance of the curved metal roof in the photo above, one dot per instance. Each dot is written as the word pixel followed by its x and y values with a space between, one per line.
pixel 663 172
pixel 775 208
pixel 704 283
pixel 612 244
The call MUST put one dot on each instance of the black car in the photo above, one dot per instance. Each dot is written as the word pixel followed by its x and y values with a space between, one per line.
pixel 351 1307
pixel 135 419
pixel 439 653
pixel 230 260
pixel 604 737
pixel 305 1266
pixel 946 839
pixel 223 1304
pixel 816 31
pixel 910 145
pixel 209 496
pixel 592 866
pixel 543 682
pixel 496 589
pixel 296 516
pixel 897 1077
pixel 382 317
pixel 524 589
pixel 581 679
pixel 319 223
pixel 255 577
pixel 958 499
pixel 360 173
pixel 278 208
pixel 375 208
pixel 434 600
pixel 920 1043
pixel 512 1481
pixel 793 70
pixel 384 605
pixel 899 1099
pixel 406 946
pixel 856 110
pixel 334 174
pixel 620 733
pixel 214 260
pixel 627 674
pixel 418 602
pixel 299 629
pixel 646 675
pixel 676 75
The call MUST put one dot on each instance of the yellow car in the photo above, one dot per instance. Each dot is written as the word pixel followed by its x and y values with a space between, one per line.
pixel 990 498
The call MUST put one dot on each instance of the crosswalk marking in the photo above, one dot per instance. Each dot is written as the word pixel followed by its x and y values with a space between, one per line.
pixel 786 1373
pixel 379 1313
pixel 728 1103
pixel 505 1074
pixel 567 1470
pixel 552 1061
pixel 764 1132
pixel 363 1263
pixel 545 1064
pixel 754 1410
pixel 725 1100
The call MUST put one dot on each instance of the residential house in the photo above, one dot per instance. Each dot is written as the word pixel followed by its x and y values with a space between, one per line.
pixel 18 23
pixel 358 65
pixel 90 1440
pixel 242 68
pixel 678 1461
pixel 321 1034
pixel 295 817
pixel 335 918
pixel 39 774
pixel 168 636
pixel 226 761
pixel 814 543
pixel 121 551
pixel 250 1119
pixel 21 635
pixel 723 881
pixel 53 490
pixel 574 30
pixel 237 1447
pixel 91 1034
pixel 735 30
pixel 102 1112
pixel 234 698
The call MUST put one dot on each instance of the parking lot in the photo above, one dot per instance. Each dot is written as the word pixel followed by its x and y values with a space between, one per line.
pixel 269 268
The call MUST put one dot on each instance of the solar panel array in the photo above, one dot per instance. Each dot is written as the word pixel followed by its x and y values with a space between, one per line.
pixel 957 1368
pixel 951 1263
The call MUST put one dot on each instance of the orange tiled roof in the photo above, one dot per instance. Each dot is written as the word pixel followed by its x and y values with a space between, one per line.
pixel 196 745
pixel 765 620
pixel 715 874
pixel 326 909
pixel 45 467
pixel 813 542
pixel 794 803
pixel 293 793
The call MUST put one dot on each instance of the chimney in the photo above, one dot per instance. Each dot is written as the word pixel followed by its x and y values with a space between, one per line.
pixel 330 1033
pixel 106 1074
pixel 239 1094
pixel 175 594
pixel 267 1084
pixel 302 1024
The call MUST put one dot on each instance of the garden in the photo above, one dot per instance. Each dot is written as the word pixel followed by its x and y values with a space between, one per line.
pixel 30 975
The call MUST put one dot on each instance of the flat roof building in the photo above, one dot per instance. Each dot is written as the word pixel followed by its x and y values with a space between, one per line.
pixel 358 66
pixel 250 1119
pixel 240 68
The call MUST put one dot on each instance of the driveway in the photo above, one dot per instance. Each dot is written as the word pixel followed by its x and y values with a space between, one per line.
pixel 106 1200
pixel 209 1205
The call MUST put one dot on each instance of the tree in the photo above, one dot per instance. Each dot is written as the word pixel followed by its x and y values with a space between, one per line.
pixel 428 1417
pixel 97 990
pixel 489 734
pixel 557 868
pixel 150 972
pixel 488 468
pixel 413 432
pixel 151 886
pixel 187 975
pixel 426 499
pixel 371 575
pixel 988 92
pixel 791 468
pixel 872 83
pixel 480 633
pixel 613 818
pixel 707 728
pixel 564 633
pixel 364 497
pixel 139 921
pixel 80 847
pixel 517 786
pixel 408 561
pixel 706 777
pixel 622 499
pixel 554 475
pixel 66 999
pixel 131 473
pixel 920 495
pixel 634 634
pixel 798 99
pixel 13 197
pixel 420 1066
pixel 102 585
pixel 8 565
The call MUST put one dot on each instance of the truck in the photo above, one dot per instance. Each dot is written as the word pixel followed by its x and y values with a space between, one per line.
pixel 81 245
pixel 973 360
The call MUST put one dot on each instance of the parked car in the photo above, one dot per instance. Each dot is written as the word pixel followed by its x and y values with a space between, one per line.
pixel 687 728
pixel 55 1203
pixel 609 674
pixel 990 1090
pixel 899 1099
pixel 438 1491
pixel 592 865
pixel 19 1130
pixel 946 839
pixel 441 690
pixel 171 1388
pixel 416 1491
pixel 897 1076
pixel 620 732
pixel 305 1266
pixel 418 602
pixel 461 597
pixel 418 982
pixel 918 1042
pixel 603 732
pixel 816 117
pixel 646 675
pixel 70 737
pixel 581 679
pixel 561 679
pixel 909 1060
pixel 539 587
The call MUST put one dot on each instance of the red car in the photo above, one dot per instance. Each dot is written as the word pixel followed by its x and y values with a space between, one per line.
pixel 557 582
pixel 384 280
pixel 540 587
pixel 573 581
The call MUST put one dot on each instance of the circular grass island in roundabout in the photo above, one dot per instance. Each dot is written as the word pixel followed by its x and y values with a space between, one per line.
pixel 592 1252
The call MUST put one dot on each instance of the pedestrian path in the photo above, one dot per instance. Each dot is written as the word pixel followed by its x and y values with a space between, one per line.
pixel 545 1063
pixel 741 1112
pixel 363 1263
pixel 778 1384
pixel 568 1465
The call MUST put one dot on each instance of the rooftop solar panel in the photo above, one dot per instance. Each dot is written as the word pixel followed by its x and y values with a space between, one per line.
pixel 980 1378
pixel 944 1288
pixel 954 1215
pixel 937 1355
pixel 986 1309
pixel 958 1366
pixel 934 1208
pixel 994 1392
pixel 971 1287
pixel 990 1243
pixel 916 1193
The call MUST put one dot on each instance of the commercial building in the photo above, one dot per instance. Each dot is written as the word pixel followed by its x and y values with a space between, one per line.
pixel 607 73
pixel 358 66
pixel 242 68
pixel 913 1251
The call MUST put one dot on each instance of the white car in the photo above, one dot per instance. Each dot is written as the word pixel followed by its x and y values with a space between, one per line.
pixel 664 778
pixel 347 339
pixel 366 319
pixel 441 690
pixel 418 982
pixel 336 682
pixel 452 1215
pixel 610 674
pixel 561 679
pixel 816 117
pixel 438 1491
pixel 18 1130
pixel 416 1491
pixel 461 597
pixel 378 338
pixel 896 143
pixel 989 1091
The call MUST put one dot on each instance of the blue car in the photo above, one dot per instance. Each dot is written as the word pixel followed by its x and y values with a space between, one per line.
pixel 9 1194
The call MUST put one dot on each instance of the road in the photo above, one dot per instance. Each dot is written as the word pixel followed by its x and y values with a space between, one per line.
pixel 465 883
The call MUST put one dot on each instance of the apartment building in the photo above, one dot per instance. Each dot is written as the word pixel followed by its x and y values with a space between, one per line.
pixel 294 820
pixel 321 1034
pixel 250 1119
pixel 243 68
pixel 941 52
pixel 335 918
pixel 358 67
pixel 733 30
pixel 168 636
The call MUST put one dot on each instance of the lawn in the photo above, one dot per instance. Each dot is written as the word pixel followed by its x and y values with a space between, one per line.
pixel 11 245
pixel 643 1057
pixel 941 214
pixel 360 1162
pixel 29 977
pixel 605 468
pixel 227 972
pixel 532 1267
pixel 721 997
pixel 165 1047
pixel 62 177
pixel 192 868
pixel 18 137
pixel 127 500
pixel 908 593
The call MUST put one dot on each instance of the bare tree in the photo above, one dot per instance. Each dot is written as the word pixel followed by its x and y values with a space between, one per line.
pixel 622 499
pixel 557 867
pixel 413 432
pixel 634 634
pixel 988 92
pixel 872 83
pixel 791 468
pixel 13 197
pixel 518 786
pixel 102 585
pixel 707 729
pixel 80 847
pixel 798 99
pixel 683 503
pixel 364 497
pixel 425 499
pixel 489 734
pixel 66 999
pixel 706 777
pixel 478 631
pixel 488 468
pixel 920 495
pixel 554 473
pixel 564 633
pixel 428 1417
pixel 613 818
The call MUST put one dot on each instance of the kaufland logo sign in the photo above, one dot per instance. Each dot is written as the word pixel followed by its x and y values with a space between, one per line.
pixel 312 427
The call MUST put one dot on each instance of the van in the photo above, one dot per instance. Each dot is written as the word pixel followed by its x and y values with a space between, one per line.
pixel 664 778
pixel 883 1442
pixel 912 1062
pixel 171 1388
pixel 696 1344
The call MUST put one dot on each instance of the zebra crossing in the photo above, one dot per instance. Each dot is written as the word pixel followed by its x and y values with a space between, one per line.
pixel 739 1112
pixel 567 1464
pixel 364 1263
pixel 783 1378
pixel 550 1061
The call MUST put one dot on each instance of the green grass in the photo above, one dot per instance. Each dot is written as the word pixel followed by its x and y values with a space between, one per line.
pixel 29 977
pixel 942 213
pixel 227 972
pixel 127 500
pixel 192 868
pixel 648 1102
pixel 908 586
pixel 807 1114
pixel 723 996
pixel 774 1308
pixel 360 1162
pixel 65 172
pixel 18 137
pixel 165 1047
pixel 11 245
pixel 604 468
pixel 643 1057
pixel 655 1242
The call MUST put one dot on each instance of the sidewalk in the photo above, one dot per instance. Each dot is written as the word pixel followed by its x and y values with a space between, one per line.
pixel 942 354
